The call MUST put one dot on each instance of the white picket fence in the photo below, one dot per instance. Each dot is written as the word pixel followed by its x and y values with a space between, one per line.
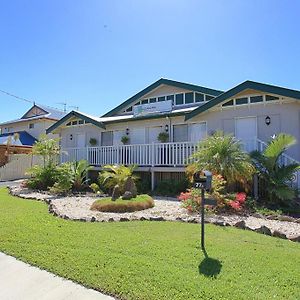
pixel 17 166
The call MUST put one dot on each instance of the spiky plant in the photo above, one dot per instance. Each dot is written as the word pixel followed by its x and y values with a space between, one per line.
pixel 222 154
pixel 116 175
pixel 79 172
pixel 276 176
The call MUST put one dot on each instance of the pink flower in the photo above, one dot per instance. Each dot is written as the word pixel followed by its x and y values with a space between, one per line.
pixel 235 205
pixel 241 197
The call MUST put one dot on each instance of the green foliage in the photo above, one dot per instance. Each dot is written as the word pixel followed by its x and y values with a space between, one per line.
pixel 93 142
pixel 47 148
pixel 276 176
pixel 222 154
pixel 171 187
pixel 116 175
pixel 125 139
pixel 141 202
pixel 163 137
pixel 143 185
pixel 95 188
pixel 79 174
pixel 42 178
pixel 64 179
pixel 144 260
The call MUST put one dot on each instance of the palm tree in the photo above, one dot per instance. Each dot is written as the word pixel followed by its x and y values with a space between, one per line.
pixel 223 155
pixel 79 173
pixel 116 175
pixel 276 175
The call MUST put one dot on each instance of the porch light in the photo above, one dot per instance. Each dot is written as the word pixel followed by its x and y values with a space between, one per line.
pixel 268 120
pixel 167 128
pixel 71 137
pixel 127 131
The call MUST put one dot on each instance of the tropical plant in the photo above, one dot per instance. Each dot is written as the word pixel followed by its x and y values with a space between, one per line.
pixel 79 172
pixel 95 188
pixel 223 155
pixel 276 175
pixel 48 149
pixel 163 137
pixel 93 142
pixel 125 139
pixel 113 175
pixel 64 179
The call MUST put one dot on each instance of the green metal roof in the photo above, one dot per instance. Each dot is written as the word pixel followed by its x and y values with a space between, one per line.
pixel 159 82
pixel 267 88
pixel 77 114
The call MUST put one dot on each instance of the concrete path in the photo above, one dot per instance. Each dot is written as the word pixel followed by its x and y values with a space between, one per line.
pixel 20 281
pixel 10 183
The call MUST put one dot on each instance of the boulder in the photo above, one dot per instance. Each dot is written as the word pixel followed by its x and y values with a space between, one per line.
pixel 295 238
pixel 130 187
pixel 279 234
pixel 116 193
pixel 127 195
pixel 264 230
pixel 240 224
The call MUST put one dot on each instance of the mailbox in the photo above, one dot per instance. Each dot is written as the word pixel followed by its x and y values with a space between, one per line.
pixel 203 180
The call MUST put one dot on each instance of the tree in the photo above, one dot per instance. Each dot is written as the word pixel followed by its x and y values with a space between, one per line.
pixel 276 175
pixel 48 149
pixel 223 155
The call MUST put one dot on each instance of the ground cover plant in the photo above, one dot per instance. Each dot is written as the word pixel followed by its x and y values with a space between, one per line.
pixel 151 260
pixel 141 202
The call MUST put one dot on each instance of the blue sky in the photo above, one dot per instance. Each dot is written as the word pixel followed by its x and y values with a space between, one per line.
pixel 95 54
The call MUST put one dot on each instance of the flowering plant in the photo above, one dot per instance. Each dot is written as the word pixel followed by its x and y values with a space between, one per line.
pixel 239 201
pixel 191 200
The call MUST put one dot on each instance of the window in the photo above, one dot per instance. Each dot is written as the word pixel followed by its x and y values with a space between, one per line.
pixel 199 97
pixel 240 101
pixel 229 103
pixel 145 101
pixel 129 109
pixel 179 99
pixel 160 99
pixel 197 132
pixel 189 98
pixel 80 122
pixel 68 124
pixel 138 103
pixel 180 133
pixel 31 126
pixel 74 123
pixel 208 97
pixel 271 98
pixel 107 138
pixel 170 97
pixel 152 100
pixel 256 99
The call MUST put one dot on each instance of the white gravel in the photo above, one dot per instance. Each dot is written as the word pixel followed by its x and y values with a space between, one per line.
pixel 78 208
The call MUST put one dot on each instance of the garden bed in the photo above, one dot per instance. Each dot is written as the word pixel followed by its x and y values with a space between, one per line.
pixel 78 208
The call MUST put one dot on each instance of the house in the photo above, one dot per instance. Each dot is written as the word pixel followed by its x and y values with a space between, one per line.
pixel 26 130
pixel 187 113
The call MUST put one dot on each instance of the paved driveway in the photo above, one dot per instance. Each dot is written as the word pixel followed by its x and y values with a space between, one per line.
pixel 20 281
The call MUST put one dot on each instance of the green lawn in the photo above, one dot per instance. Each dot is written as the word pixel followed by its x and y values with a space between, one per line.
pixel 151 260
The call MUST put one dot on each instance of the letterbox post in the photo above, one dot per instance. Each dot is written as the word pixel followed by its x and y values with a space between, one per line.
pixel 202 219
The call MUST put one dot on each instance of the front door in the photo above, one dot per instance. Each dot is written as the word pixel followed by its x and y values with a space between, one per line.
pixel 153 133
pixel 246 132
pixel 80 140
pixel 80 151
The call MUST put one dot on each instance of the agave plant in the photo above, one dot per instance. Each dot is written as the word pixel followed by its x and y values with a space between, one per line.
pixel 79 172
pixel 116 175
pixel 275 175
pixel 223 155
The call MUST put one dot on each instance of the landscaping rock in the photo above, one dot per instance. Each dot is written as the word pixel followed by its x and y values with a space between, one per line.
pixel 111 220
pixel 143 219
pixel 219 223
pixel 93 219
pixel 264 230
pixel 124 220
pixel 286 218
pixel 127 195
pixel 240 224
pixel 295 239
pixel 157 219
pixel 116 193
pixel 279 234
pixel 130 187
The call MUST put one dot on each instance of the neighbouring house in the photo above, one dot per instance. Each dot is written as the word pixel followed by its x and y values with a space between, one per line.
pixel 185 114
pixel 18 136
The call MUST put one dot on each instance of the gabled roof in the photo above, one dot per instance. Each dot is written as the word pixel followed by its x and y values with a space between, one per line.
pixel 156 84
pixel 262 87
pixel 49 113
pixel 24 139
pixel 88 118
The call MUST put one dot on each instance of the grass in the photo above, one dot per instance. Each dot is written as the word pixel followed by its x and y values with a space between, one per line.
pixel 151 260
pixel 107 205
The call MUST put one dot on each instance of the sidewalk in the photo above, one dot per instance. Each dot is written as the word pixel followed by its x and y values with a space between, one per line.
pixel 20 281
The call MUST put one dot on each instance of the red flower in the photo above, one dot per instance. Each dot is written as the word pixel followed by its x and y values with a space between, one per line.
pixel 241 197
pixel 235 205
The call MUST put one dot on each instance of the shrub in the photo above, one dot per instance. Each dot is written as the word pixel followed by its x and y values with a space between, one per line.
pixel 143 185
pixel 79 174
pixel 191 200
pixel 93 142
pixel 141 202
pixel 171 187
pixel 125 139
pixel 42 177
pixel 116 175
pixel 163 137
pixel 64 179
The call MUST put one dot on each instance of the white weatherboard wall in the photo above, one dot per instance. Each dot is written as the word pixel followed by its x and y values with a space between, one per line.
pixel 17 166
